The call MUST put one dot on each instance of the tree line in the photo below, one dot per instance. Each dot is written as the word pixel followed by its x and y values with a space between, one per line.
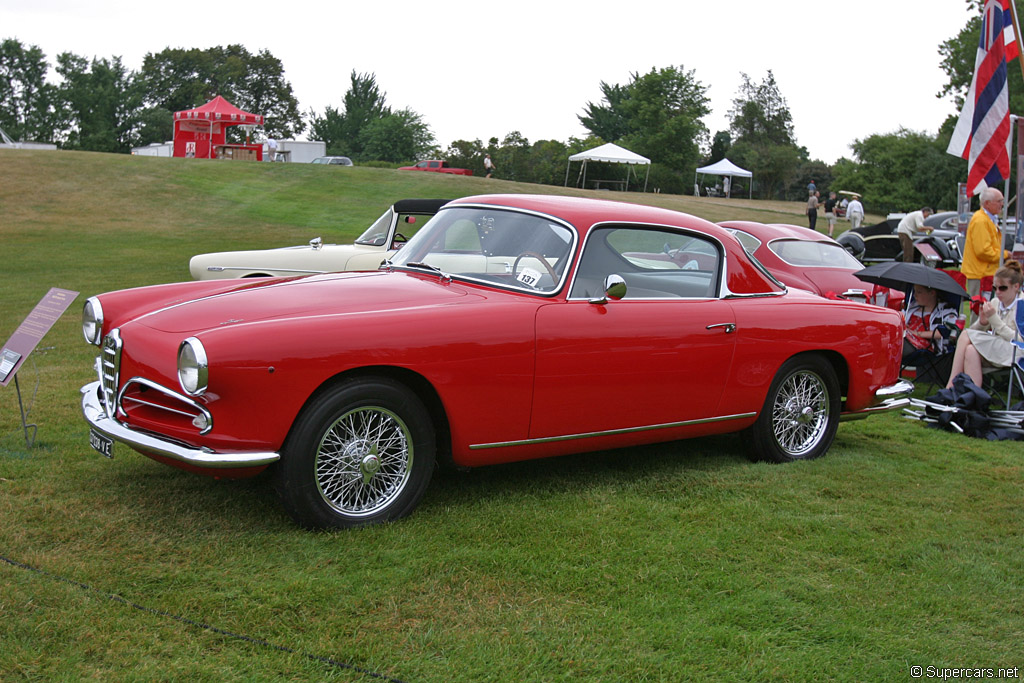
pixel 100 105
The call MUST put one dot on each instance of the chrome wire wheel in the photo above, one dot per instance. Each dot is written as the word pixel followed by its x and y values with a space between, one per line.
pixel 800 415
pixel 364 461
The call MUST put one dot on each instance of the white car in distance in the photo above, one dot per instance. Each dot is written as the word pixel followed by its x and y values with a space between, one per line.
pixel 379 242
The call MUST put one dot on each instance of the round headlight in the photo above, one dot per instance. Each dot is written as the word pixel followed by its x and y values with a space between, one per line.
pixel 193 372
pixel 92 321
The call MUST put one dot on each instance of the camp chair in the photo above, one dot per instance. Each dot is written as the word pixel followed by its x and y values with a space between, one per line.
pixel 932 368
pixel 1017 366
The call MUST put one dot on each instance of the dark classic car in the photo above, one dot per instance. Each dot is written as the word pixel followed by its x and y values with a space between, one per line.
pixel 378 242
pixel 508 328
pixel 941 245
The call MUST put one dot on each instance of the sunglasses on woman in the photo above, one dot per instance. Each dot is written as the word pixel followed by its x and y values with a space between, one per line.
pixel 1001 288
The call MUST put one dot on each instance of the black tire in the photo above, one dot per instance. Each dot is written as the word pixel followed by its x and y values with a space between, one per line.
pixel 361 453
pixel 800 414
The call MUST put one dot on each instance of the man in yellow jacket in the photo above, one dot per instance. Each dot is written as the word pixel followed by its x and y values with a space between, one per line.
pixel 983 244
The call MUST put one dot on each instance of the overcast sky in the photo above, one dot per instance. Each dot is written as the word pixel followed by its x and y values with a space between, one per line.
pixel 847 68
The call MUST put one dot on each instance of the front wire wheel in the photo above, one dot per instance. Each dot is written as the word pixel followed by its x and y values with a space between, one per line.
pixel 364 461
pixel 362 452
pixel 800 414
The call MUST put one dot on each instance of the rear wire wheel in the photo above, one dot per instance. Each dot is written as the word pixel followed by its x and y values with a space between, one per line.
pixel 361 453
pixel 800 414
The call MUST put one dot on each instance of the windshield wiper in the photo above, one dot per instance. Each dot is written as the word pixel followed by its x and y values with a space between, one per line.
pixel 429 267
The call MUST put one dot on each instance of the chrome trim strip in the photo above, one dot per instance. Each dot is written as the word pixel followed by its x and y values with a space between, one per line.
pixel 610 432
pixel 218 269
pixel 97 418
pixel 199 408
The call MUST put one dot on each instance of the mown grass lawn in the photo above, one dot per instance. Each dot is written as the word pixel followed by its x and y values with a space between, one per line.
pixel 681 561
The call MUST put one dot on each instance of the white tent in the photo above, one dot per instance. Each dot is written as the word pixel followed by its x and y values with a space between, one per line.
pixel 613 154
pixel 726 168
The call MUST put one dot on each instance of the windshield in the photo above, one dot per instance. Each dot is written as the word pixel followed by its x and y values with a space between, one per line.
pixel 377 234
pixel 493 245
pixel 813 254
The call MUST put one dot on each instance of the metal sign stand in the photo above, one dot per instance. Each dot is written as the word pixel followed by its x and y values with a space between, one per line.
pixel 29 441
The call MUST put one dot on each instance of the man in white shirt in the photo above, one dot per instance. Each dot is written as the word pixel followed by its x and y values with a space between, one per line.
pixel 855 212
pixel 911 223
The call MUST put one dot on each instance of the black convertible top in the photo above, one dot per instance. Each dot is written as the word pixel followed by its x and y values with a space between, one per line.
pixel 419 205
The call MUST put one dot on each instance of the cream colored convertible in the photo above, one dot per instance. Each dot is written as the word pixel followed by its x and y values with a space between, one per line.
pixel 380 241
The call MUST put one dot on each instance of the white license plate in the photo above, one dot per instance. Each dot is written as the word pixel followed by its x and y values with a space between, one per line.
pixel 101 442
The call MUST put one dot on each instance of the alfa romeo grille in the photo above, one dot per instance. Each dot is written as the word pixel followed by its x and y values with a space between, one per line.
pixel 110 367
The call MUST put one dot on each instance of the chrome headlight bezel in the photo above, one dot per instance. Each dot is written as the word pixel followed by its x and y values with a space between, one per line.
pixel 92 321
pixel 193 367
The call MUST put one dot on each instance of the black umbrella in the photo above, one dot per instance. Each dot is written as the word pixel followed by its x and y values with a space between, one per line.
pixel 900 274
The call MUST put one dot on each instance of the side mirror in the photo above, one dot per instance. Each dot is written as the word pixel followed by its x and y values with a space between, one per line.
pixel 614 289
pixel 316 243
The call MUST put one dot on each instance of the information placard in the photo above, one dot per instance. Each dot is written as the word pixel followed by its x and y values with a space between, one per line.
pixel 31 331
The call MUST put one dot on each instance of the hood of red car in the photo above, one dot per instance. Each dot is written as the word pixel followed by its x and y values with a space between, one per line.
pixel 332 294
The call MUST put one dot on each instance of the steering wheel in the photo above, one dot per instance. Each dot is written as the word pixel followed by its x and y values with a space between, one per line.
pixel 535 255
pixel 399 237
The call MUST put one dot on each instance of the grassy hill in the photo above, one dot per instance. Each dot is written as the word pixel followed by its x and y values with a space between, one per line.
pixel 681 561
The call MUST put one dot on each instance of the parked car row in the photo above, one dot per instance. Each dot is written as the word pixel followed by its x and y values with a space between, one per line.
pixel 940 245
pixel 507 328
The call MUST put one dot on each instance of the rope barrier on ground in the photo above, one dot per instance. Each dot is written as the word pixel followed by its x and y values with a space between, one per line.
pixel 206 627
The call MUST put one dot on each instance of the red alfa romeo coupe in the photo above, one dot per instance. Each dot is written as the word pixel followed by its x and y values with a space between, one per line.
pixel 508 328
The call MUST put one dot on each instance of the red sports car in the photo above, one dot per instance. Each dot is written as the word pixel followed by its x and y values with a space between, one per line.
pixel 801 257
pixel 508 328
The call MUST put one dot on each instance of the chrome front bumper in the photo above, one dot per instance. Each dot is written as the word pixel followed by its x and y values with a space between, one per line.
pixel 96 416
pixel 892 397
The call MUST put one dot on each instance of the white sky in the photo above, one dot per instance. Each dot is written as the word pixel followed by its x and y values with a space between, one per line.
pixel 847 68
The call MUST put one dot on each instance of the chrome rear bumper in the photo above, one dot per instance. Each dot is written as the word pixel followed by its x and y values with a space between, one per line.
pixel 892 397
pixel 98 419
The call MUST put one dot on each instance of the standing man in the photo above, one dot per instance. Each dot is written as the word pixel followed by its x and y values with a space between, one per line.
pixel 910 224
pixel 855 212
pixel 726 185
pixel 830 212
pixel 812 210
pixel 811 188
pixel 488 165
pixel 983 245
pixel 271 150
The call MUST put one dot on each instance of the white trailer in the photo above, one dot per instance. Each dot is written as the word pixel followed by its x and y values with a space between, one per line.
pixel 297 151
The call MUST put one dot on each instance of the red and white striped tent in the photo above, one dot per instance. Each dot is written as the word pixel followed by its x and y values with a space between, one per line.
pixel 198 131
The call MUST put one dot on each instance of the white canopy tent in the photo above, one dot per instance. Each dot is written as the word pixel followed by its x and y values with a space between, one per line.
pixel 611 153
pixel 726 168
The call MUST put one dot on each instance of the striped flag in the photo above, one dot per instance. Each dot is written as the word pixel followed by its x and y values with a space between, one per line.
pixel 1010 30
pixel 982 135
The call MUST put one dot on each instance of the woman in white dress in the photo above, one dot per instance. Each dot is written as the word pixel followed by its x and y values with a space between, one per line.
pixel 987 343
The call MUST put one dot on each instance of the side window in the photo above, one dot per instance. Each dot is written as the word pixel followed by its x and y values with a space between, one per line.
pixel 656 263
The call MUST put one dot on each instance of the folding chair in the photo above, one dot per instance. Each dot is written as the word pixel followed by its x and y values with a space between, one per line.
pixel 1017 366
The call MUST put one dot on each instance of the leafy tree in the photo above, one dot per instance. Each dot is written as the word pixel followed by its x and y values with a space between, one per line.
pixel 720 145
pixel 658 115
pixel 26 100
pixel 763 138
pixel 399 136
pixel 466 154
pixel 100 103
pixel 608 121
pixel 901 171
pixel 177 79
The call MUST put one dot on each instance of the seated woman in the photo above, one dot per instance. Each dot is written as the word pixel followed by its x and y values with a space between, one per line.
pixel 927 317
pixel 987 343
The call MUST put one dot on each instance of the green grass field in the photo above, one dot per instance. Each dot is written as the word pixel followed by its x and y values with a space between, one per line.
pixel 676 562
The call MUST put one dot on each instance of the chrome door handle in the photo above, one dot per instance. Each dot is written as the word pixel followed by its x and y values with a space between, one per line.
pixel 729 327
